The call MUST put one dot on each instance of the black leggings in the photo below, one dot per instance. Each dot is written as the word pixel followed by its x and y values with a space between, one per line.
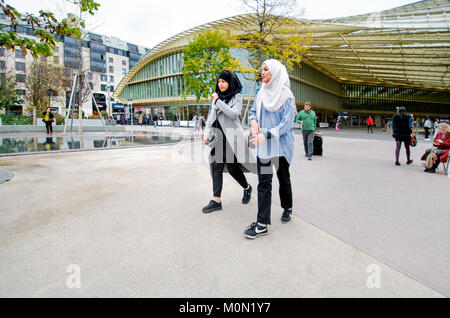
pixel 49 127
pixel 399 145
pixel 234 168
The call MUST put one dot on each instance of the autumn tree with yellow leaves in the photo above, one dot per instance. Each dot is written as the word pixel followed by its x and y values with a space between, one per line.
pixel 272 31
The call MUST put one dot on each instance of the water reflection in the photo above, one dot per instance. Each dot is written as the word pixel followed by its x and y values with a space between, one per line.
pixel 68 143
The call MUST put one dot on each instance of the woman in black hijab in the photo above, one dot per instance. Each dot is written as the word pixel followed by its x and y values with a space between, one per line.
pixel 225 117
pixel 402 129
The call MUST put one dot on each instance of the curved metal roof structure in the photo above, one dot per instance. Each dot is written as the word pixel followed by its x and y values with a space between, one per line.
pixel 407 46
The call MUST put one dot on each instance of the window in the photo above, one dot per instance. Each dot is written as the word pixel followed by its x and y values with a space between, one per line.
pixel 111 88
pixel 91 85
pixel 56 59
pixel 2 65
pixel 103 88
pixel 124 63
pixel 20 78
pixel 20 66
pixel 90 76
pixel 19 54
pixel 111 60
pixel 103 78
pixel 111 79
pixel 20 92
pixel 56 49
pixel 124 71
pixel 2 51
pixel 111 69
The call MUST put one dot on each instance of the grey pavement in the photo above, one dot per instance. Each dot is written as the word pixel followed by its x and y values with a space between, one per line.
pixel 131 221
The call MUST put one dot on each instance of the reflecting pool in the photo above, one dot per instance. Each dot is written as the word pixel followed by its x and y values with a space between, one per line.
pixel 23 145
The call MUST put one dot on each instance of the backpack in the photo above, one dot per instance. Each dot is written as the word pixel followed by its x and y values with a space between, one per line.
pixel 431 160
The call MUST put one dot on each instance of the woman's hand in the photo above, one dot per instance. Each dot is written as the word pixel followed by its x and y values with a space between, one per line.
pixel 257 139
pixel 254 127
pixel 214 96
pixel 206 137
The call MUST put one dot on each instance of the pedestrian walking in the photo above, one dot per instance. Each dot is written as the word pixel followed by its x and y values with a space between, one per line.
pixel 155 121
pixel 225 117
pixel 48 120
pixel 307 119
pixel 436 127
pixel 272 122
pixel 369 123
pixel 427 126
pixel 402 129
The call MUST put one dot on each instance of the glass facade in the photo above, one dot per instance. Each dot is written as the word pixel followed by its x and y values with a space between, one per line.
pixel 134 58
pixel 161 79
pixel 72 52
pixel 380 98
pixel 98 56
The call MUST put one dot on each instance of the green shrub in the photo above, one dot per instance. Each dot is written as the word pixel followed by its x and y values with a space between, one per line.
pixel 59 120
pixel 16 120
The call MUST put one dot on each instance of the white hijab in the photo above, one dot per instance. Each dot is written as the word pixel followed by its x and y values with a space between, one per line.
pixel 274 94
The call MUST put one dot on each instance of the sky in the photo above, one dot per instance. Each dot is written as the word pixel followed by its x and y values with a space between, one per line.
pixel 149 22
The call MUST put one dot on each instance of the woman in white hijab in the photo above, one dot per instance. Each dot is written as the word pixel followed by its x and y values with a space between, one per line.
pixel 272 120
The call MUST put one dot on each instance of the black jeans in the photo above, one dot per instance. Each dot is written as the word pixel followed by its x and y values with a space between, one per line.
pixel 234 168
pixel 265 186
pixel 370 128
pixel 49 127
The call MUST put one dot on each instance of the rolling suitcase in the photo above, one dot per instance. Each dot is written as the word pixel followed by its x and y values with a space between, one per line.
pixel 317 145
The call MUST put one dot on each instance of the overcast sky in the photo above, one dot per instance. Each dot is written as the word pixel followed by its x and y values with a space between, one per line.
pixel 149 22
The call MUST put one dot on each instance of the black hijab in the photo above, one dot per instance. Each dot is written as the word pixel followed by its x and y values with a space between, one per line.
pixel 234 86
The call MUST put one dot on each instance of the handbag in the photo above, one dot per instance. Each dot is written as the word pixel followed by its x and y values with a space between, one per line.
pixel 212 139
pixel 413 141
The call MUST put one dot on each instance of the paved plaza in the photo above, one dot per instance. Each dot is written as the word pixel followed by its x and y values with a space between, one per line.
pixel 128 223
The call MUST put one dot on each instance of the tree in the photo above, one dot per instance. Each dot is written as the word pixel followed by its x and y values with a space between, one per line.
pixel 8 94
pixel 272 32
pixel 204 58
pixel 43 77
pixel 45 27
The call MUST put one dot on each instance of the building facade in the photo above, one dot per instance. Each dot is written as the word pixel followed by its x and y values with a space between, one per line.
pixel 355 67
pixel 105 60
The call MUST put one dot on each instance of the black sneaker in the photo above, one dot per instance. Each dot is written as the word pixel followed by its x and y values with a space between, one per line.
pixel 247 195
pixel 255 230
pixel 212 206
pixel 286 217
pixel 309 158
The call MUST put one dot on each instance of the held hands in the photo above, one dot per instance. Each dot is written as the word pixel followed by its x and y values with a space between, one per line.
pixel 257 140
pixel 254 127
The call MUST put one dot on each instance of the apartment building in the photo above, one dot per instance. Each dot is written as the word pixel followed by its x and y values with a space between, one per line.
pixel 104 59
